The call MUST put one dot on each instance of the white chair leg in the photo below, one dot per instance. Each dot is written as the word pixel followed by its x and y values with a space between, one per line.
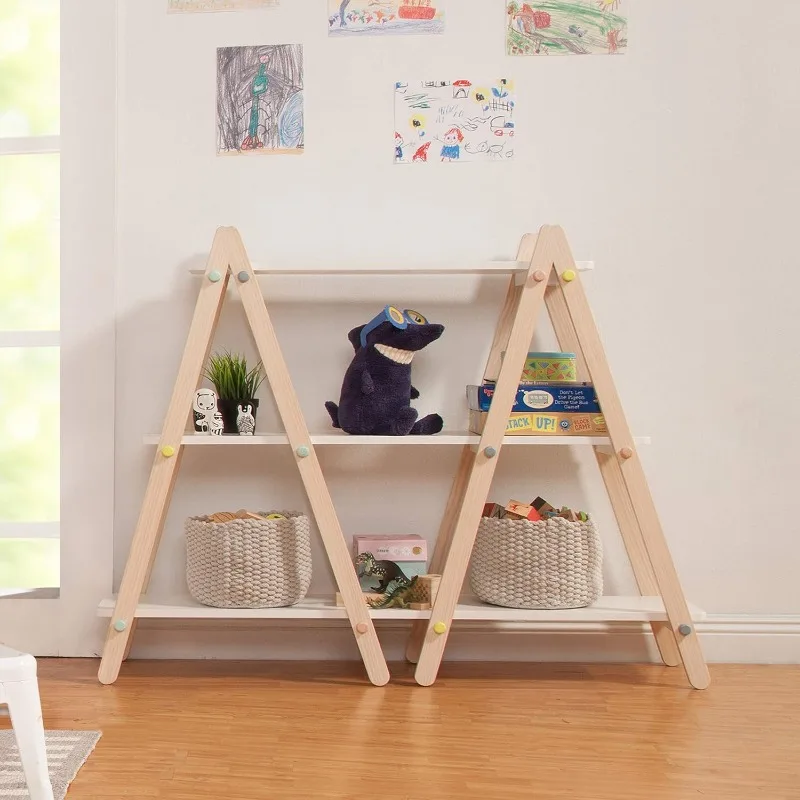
pixel 26 719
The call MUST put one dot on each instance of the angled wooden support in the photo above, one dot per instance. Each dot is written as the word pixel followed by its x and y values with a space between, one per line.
pixel 528 305
pixel 453 506
pixel 615 486
pixel 629 464
pixel 297 432
pixel 147 534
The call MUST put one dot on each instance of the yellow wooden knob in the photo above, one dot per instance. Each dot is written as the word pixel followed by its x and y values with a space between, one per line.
pixel 362 627
pixel 569 275
pixel 439 627
pixel 168 451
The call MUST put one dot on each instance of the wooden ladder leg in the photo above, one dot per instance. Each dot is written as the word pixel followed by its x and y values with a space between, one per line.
pixel 442 546
pixel 630 466
pixel 307 463
pixel 635 547
pixel 615 487
pixel 479 479
pixel 144 545
pixel 501 334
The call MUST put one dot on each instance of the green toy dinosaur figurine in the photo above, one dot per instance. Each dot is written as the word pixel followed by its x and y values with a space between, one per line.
pixel 399 597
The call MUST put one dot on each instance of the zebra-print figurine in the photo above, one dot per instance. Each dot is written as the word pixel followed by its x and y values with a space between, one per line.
pixel 245 421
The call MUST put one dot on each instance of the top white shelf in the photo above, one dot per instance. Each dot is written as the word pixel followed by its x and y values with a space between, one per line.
pixel 486 268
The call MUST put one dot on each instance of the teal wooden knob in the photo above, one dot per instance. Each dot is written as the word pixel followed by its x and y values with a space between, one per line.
pixel 489 452
pixel 243 277
pixel 303 452
pixel 684 630
pixel 120 625
pixel 214 276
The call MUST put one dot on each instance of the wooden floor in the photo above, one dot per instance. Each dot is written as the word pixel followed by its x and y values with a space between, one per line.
pixel 242 731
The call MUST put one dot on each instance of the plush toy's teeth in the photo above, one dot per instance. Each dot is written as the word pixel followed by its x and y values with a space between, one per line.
pixel 395 354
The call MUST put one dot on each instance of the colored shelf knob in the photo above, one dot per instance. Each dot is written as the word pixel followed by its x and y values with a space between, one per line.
pixel 538 276
pixel 214 276
pixel 626 452
pixel 303 452
pixel 243 277
pixel 120 625
pixel 439 627
pixel 168 451
pixel 489 452
pixel 684 630
pixel 362 627
pixel 569 275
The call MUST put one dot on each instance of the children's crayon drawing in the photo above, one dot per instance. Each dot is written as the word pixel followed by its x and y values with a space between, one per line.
pixel 451 121
pixel 189 6
pixel 566 27
pixel 260 99
pixel 385 17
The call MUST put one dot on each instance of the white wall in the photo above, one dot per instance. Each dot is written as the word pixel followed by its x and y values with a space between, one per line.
pixel 674 168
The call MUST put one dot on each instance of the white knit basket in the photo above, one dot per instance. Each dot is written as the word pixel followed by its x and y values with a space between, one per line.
pixel 554 563
pixel 249 563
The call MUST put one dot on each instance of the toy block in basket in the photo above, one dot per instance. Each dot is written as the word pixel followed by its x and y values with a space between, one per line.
pixel 247 559
pixel 555 562
pixel 381 559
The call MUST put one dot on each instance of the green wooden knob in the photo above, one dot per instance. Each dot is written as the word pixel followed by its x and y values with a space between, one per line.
pixel 214 276
pixel 684 630
pixel 120 625
pixel 303 452
pixel 489 452
pixel 243 277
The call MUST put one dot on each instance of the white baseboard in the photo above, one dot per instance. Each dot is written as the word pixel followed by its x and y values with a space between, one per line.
pixel 724 638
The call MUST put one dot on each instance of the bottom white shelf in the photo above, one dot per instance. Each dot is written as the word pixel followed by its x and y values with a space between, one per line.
pixel 606 609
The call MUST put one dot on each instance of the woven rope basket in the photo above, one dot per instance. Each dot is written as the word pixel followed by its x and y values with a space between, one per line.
pixel 550 564
pixel 248 563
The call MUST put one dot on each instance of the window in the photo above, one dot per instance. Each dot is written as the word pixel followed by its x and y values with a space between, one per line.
pixel 29 293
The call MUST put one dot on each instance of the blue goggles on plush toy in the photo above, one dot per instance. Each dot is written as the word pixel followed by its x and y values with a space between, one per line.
pixel 400 319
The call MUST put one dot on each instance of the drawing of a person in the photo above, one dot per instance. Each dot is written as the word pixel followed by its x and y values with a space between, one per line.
pixel 258 88
pixel 398 147
pixel 452 145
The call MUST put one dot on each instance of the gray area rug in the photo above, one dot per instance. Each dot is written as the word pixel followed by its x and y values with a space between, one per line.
pixel 66 753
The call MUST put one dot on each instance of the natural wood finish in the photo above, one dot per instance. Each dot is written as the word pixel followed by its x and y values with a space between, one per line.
pixel 631 468
pixel 480 478
pixel 207 730
pixel 442 546
pixel 637 552
pixel 615 485
pixel 162 475
pixel 507 313
pixel 310 471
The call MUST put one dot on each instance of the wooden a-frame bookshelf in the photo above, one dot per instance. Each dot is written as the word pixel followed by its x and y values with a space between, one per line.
pixel 544 274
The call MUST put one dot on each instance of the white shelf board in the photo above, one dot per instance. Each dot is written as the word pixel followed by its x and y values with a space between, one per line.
pixel 486 268
pixel 340 438
pixel 606 609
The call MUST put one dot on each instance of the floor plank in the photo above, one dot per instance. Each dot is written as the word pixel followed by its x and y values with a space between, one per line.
pixel 258 730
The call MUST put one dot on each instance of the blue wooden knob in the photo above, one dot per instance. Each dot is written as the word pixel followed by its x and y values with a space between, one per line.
pixel 684 630
pixel 303 452
pixel 489 452
pixel 214 276
pixel 120 625
pixel 243 277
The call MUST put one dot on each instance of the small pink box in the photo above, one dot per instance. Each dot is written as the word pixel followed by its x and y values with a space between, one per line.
pixel 391 547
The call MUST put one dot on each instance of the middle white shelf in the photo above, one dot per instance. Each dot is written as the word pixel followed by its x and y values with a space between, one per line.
pixel 340 438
